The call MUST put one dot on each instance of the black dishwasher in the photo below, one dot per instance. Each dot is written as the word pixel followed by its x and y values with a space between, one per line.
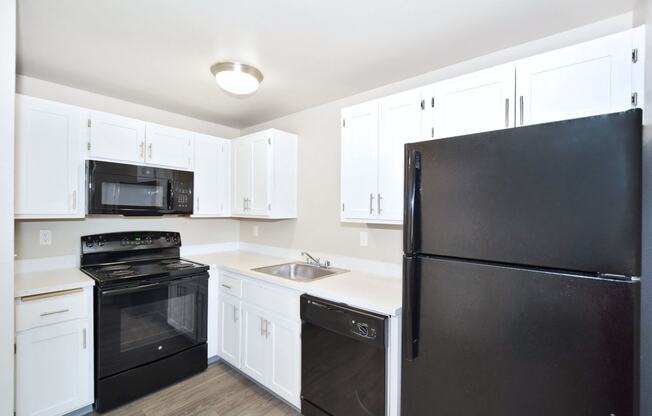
pixel 342 360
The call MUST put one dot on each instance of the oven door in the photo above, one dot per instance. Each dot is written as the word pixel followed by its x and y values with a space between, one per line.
pixel 115 188
pixel 141 324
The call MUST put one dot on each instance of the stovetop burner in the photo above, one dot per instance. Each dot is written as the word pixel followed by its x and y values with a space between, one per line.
pixel 116 268
pixel 178 266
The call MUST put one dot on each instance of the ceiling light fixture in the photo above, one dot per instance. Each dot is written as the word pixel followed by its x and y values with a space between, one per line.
pixel 237 78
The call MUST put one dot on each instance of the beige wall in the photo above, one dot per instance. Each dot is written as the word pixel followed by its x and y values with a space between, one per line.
pixel 7 83
pixel 318 227
pixel 66 233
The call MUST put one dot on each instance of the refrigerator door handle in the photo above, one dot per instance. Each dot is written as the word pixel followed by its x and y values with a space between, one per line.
pixel 411 308
pixel 412 215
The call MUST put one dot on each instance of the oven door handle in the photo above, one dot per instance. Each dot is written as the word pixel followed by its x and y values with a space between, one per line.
pixel 114 292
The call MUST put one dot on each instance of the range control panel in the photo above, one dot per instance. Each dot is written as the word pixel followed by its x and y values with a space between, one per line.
pixel 98 243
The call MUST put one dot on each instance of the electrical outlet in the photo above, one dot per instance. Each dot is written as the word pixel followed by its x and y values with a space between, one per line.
pixel 254 230
pixel 364 239
pixel 45 237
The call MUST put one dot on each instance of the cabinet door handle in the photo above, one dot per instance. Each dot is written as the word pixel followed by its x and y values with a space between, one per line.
pixel 371 203
pixel 84 338
pixel 150 151
pixel 266 328
pixel 506 112
pixel 262 333
pixel 380 198
pixel 55 312
pixel 235 314
pixel 521 106
pixel 197 203
pixel 226 286
pixel 142 150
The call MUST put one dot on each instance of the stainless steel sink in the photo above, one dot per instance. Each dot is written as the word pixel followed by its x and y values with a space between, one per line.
pixel 299 271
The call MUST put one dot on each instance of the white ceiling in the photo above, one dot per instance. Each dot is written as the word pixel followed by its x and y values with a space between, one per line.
pixel 158 52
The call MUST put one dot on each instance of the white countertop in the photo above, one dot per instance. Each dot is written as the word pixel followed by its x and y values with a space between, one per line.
pixel 355 288
pixel 34 283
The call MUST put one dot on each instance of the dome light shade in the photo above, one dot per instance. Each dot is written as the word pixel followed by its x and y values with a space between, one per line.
pixel 237 78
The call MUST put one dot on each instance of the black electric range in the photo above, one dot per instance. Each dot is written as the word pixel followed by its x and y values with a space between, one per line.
pixel 150 313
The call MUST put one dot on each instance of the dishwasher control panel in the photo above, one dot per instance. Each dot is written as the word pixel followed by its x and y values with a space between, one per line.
pixel 362 329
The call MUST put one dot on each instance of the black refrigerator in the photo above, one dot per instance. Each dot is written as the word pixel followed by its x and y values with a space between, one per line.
pixel 522 249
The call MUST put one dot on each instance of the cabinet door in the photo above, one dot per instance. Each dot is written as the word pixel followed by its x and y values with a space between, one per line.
pixel 212 179
pixel 254 343
pixel 399 122
pixel 359 180
pixel 53 369
pixel 49 161
pixel 229 329
pixel 260 175
pixel 285 362
pixel 116 138
pixel 242 169
pixel 578 81
pixel 476 102
pixel 168 147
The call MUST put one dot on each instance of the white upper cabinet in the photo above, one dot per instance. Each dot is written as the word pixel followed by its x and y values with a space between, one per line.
pixel 400 122
pixel 373 138
pixel 264 170
pixel 212 176
pixel 261 175
pixel 49 163
pixel 476 102
pixel 169 147
pixel 116 138
pixel 587 79
pixel 242 172
pixel 125 140
pixel 359 161
pixel 596 77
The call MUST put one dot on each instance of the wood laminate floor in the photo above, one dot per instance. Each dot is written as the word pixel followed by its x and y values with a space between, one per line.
pixel 218 391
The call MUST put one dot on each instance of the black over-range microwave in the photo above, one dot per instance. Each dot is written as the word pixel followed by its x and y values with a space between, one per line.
pixel 116 188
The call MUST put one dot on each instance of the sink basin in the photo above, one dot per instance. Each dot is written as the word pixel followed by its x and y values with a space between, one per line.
pixel 299 271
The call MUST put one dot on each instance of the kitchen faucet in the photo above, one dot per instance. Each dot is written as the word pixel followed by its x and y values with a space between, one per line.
pixel 316 261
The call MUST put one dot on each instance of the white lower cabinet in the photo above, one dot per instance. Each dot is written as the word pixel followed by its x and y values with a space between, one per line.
pixel 254 343
pixel 265 343
pixel 229 332
pixel 284 349
pixel 54 356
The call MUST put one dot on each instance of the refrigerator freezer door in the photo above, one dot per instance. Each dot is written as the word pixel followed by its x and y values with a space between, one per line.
pixel 500 341
pixel 564 195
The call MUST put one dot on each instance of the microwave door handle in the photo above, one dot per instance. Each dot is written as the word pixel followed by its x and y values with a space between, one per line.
pixel 170 196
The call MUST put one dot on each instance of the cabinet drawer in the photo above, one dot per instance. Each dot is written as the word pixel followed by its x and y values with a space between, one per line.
pixel 283 302
pixel 231 285
pixel 50 308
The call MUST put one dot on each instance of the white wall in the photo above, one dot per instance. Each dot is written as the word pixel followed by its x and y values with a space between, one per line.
pixel 318 227
pixel 7 82
pixel 66 233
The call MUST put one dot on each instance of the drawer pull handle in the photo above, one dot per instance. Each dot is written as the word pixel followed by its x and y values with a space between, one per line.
pixel 227 286
pixel 50 294
pixel 55 312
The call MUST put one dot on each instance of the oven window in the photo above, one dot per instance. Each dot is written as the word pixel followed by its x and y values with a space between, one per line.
pixel 137 195
pixel 159 320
